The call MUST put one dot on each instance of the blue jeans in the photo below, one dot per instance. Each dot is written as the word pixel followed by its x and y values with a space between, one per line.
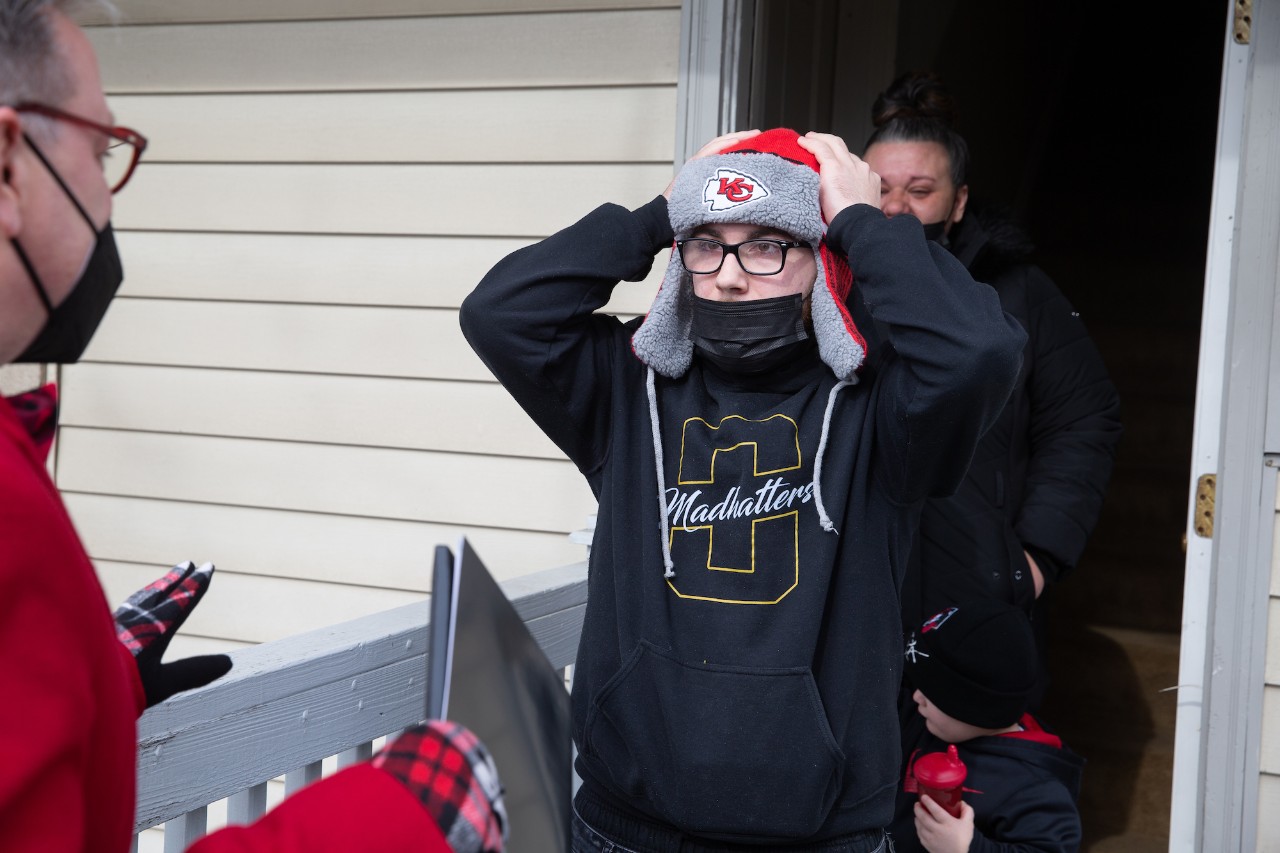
pixel 588 840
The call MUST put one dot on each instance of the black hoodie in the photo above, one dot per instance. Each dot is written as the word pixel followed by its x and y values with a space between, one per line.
pixel 1023 789
pixel 751 697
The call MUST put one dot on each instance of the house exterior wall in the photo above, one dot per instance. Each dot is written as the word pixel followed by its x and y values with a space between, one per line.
pixel 281 386
pixel 16 378
pixel 1269 765
pixel 1262 219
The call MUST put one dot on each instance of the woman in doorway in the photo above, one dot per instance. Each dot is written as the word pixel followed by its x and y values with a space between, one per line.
pixel 1019 521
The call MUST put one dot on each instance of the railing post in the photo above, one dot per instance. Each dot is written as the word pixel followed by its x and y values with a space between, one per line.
pixel 183 831
pixel 296 780
pixel 358 753
pixel 245 807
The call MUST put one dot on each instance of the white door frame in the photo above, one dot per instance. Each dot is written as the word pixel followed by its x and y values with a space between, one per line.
pixel 1184 827
pixel 1224 628
pixel 715 55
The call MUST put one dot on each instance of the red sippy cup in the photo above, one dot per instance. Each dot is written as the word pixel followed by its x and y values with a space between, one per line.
pixel 941 775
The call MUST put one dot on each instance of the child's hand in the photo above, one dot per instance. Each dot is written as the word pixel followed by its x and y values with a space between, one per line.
pixel 938 831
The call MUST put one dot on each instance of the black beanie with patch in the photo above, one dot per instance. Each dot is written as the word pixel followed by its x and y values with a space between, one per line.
pixel 976 661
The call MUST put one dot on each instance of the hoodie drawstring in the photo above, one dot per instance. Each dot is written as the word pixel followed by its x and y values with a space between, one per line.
pixel 662 483
pixel 823 518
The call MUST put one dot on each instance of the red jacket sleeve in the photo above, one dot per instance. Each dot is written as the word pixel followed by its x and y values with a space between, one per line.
pixel 68 739
pixel 361 808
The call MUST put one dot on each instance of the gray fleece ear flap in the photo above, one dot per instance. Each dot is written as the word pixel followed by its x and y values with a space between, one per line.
pixel 840 345
pixel 665 340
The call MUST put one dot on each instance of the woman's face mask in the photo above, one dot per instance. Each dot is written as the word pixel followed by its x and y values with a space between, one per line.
pixel 936 231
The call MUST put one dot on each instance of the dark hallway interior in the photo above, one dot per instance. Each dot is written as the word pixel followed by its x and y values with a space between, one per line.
pixel 1119 207
pixel 1100 135
pixel 1097 130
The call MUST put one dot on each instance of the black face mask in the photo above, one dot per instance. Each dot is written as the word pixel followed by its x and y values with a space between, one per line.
pixel 70 325
pixel 937 232
pixel 751 336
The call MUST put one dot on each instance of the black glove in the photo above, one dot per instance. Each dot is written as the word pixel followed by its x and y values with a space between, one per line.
pixel 147 621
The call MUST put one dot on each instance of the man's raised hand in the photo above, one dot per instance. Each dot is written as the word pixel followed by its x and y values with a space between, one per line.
pixel 844 178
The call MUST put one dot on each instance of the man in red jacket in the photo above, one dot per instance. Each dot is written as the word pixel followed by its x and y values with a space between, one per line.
pixel 74 679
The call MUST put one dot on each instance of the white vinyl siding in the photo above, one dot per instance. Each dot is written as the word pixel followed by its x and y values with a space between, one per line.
pixel 1269 783
pixel 201 11
pixel 281 386
pixel 16 378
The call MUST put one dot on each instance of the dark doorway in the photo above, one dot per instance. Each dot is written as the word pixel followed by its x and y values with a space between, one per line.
pixel 1097 128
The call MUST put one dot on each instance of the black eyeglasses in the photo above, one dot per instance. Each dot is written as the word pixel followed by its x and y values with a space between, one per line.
pixel 118 165
pixel 756 257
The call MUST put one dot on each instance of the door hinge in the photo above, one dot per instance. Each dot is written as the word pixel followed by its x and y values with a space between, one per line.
pixel 1244 21
pixel 1206 494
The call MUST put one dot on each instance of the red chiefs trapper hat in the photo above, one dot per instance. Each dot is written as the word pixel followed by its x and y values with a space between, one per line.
pixel 767 180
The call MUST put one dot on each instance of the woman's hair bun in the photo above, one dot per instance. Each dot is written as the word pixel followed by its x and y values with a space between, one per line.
pixel 915 95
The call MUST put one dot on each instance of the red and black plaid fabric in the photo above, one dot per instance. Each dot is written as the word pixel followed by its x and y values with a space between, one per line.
pixel 149 618
pixel 452 774
pixel 152 611
pixel 37 411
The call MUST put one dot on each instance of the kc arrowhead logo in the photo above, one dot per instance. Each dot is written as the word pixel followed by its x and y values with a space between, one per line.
pixel 728 189
pixel 937 620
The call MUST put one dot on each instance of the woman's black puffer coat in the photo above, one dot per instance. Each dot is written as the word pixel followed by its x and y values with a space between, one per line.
pixel 1039 475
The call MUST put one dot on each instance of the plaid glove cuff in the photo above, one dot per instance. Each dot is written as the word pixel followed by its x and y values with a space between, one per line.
pixel 453 775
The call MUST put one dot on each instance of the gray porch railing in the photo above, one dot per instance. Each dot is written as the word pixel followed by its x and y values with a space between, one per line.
pixel 288 705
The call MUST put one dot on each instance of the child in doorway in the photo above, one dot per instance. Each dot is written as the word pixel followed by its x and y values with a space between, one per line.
pixel 974 667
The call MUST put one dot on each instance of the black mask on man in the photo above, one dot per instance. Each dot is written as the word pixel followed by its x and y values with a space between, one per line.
pixel 71 325
pixel 750 336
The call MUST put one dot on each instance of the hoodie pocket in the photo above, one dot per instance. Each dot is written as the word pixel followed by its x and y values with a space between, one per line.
pixel 703 744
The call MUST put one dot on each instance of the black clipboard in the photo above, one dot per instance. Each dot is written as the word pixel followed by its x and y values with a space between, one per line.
pixel 440 638
pixel 485 671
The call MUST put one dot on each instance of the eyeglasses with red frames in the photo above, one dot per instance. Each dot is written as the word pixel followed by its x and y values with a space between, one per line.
pixel 118 165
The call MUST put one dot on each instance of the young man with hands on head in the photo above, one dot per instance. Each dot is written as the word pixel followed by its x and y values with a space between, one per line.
pixel 758 481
